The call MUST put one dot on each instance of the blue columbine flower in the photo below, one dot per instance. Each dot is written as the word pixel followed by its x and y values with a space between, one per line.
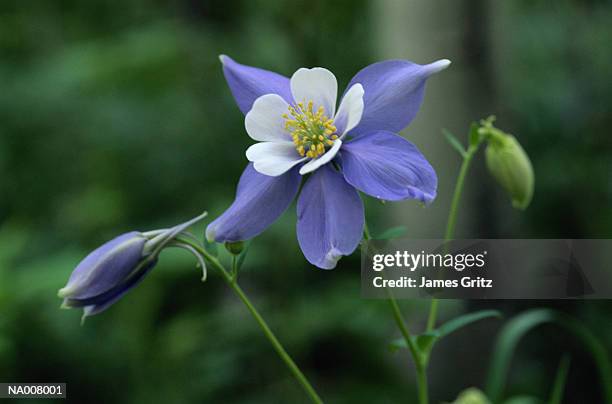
pixel 354 147
pixel 114 268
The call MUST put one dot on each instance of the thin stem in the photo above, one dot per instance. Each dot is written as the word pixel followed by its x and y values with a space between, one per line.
pixel 401 324
pixel 560 379
pixel 297 373
pixel 234 273
pixel 452 215
pixel 452 220
pixel 195 253
pixel 422 385
pixel 278 347
pixel 419 363
pixel 366 232
pixel 433 313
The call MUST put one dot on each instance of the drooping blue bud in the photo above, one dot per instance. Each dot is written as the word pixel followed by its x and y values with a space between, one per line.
pixel 107 273
pixel 114 268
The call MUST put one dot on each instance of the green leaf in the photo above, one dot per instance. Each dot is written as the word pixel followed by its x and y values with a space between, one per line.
pixel 464 320
pixel 425 342
pixel 559 386
pixel 391 233
pixel 454 142
pixel 519 326
pixel 211 247
pixel 397 344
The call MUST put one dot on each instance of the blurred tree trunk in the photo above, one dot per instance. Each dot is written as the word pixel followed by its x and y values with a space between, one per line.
pixel 425 31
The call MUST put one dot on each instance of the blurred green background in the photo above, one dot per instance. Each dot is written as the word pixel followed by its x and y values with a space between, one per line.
pixel 116 116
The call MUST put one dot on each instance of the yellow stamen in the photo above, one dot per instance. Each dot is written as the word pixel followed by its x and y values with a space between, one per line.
pixel 312 132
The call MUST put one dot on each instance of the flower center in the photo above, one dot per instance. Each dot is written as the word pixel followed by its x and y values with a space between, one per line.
pixel 311 131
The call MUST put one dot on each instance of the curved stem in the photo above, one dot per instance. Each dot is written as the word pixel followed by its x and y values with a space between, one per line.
pixel 196 254
pixel 278 347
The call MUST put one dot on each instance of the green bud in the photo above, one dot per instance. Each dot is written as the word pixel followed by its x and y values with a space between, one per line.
pixel 509 164
pixel 234 247
pixel 472 396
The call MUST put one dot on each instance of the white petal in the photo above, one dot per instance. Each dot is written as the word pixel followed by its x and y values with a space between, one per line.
pixel 318 85
pixel 350 110
pixel 264 122
pixel 324 159
pixel 273 158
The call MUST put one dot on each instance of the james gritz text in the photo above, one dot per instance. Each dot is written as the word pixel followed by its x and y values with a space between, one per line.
pixel 407 282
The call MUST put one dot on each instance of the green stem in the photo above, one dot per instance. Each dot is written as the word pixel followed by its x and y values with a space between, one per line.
pixel 419 363
pixel 433 313
pixel 366 232
pixel 234 273
pixel 452 220
pixel 422 385
pixel 278 347
pixel 401 324
pixel 452 215
pixel 560 379
pixel 280 350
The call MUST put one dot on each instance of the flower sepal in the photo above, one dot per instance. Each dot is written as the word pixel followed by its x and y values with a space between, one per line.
pixel 234 247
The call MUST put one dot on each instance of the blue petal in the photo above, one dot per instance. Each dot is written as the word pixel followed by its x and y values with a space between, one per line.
pixel 105 267
pixel 118 292
pixel 393 93
pixel 249 83
pixel 260 200
pixel 330 218
pixel 97 304
pixel 387 166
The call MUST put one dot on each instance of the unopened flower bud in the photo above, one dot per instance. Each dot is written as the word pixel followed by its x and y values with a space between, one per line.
pixel 114 268
pixel 509 165
pixel 107 273
pixel 472 396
